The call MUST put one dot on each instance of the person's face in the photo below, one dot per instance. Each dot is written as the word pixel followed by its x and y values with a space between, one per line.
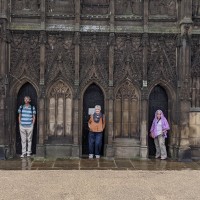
pixel 27 100
pixel 158 115
pixel 97 111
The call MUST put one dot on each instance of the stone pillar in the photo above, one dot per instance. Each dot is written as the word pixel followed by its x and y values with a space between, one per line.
pixel 109 123
pixel 144 101
pixel 43 16
pixel 76 144
pixel 40 151
pixel 4 136
pixel 184 152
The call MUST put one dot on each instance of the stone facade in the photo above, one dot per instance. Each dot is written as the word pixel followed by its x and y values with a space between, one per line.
pixel 141 54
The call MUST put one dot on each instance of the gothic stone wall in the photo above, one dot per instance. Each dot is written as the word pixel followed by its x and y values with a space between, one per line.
pixel 126 47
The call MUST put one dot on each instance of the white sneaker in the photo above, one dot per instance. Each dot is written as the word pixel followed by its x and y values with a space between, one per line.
pixel 23 155
pixel 90 156
pixel 28 155
pixel 97 156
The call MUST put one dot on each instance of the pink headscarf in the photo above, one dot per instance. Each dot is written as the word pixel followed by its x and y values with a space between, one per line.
pixel 165 125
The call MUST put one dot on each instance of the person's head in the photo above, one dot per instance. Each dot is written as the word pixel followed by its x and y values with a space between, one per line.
pixel 27 99
pixel 97 109
pixel 159 114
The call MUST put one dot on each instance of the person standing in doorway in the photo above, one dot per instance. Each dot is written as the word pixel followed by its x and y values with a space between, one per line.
pixel 96 126
pixel 158 131
pixel 26 119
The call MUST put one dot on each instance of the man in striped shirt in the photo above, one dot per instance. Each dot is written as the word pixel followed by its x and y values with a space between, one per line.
pixel 26 123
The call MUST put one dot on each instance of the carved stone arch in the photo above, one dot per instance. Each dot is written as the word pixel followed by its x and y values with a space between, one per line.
pixel 130 84
pixel 164 99
pixel 170 90
pixel 57 81
pixel 17 84
pixel 85 87
pixel 126 111
pixel 26 89
pixel 59 104
pixel 92 95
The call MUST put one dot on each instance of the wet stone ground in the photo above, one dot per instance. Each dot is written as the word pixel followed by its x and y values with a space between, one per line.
pixel 96 164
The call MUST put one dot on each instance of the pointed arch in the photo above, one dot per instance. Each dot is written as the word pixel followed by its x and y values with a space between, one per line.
pixel 158 99
pixel 16 86
pixel 91 83
pixel 27 89
pixel 169 88
pixel 59 103
pixel 93 95
pixel 126 111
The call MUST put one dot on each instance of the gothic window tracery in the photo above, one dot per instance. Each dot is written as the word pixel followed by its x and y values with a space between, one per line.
pixel 60 110
pixel 126 113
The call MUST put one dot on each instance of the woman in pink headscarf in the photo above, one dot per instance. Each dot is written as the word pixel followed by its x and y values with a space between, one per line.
pixel 158 131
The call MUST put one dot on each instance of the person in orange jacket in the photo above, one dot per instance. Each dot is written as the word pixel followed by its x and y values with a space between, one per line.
pixel 96 126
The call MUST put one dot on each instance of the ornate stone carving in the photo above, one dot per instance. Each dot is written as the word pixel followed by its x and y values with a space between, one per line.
pixel 195 71
pixel 128 7
pixel 186 32
pixel 23 5
pixel 128 58
pixel 126 91
pixel 162 7
pixel 61 6
pixel 185 92
pixel 61 89
pixel 25 56
pixel 162 59
pixel 196 8
pixel 94 59
pixel 60 57
pixel 2 86
pixel 43 37
pixel 94 7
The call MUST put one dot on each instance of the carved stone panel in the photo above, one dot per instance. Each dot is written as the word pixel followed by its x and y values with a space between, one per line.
pixel 2 86
pixel 162 59
pixel 95 7
pixel 94 58
pixel 196 57
pixel 60 57
pixel 25 5
pixel 196 8
pixel 61 6
pixel 128 7
pixel 126 111
pixel 162 7
pixel 128 58
pixel 60 110
pixel 25 56
pixel 195 73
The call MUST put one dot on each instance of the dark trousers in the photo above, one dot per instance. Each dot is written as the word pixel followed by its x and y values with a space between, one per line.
pixel 95 139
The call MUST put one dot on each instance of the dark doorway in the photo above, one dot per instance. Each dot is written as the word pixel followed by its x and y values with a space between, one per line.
pixel 93 96
pixel 26 90
pixel 158 100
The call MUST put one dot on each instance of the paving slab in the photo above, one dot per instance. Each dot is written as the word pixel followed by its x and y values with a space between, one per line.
pixel 92 184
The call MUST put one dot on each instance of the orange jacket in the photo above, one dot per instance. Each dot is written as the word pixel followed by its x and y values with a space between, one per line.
pixel 96 127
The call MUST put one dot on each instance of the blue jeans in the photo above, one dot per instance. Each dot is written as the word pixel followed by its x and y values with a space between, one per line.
pixel 95 138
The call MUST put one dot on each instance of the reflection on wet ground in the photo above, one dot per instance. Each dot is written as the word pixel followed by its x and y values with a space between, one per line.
pixel 101 164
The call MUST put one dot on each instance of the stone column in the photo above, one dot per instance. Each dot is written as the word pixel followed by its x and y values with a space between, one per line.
pixel 76 113
pixel 40 151
pixel 109 117
pixel 144 101
pixel 4 136
pixel 184 152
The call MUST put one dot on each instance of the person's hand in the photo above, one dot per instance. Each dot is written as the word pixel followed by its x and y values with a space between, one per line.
pixel 151 135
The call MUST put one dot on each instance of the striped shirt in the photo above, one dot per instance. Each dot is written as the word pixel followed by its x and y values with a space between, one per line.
pixel 27 115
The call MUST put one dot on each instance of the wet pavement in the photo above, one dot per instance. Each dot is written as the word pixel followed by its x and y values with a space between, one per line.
pixel 96 164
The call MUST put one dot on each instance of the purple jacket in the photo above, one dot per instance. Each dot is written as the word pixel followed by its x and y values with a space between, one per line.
pixel 165 125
